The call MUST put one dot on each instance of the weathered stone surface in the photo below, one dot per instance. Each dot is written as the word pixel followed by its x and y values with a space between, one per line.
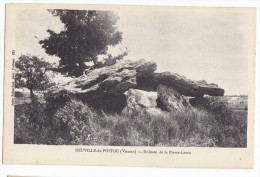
pixel 183 85
pixel 115 79
pixel 104 88
pixel 142 103
pixel 138 101
pixel 172 99
pixel 186 86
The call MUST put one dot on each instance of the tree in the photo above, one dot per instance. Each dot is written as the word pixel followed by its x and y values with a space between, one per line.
pixel 31 73
pixel 86 34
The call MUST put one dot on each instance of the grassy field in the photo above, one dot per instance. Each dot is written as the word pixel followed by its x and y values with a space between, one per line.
pixel 78 124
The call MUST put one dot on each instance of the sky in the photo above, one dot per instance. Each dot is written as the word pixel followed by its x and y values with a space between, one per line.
pixel 209 44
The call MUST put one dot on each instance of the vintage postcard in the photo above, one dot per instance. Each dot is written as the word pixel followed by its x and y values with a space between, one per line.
pixel 118 85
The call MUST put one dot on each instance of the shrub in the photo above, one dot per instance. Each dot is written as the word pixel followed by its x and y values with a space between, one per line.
pixel 18 94
pixel 226 128
pixel 214 105
pixel 30 124
pixel 71 123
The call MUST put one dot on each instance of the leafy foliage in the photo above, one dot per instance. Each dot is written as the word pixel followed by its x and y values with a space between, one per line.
pixel 72 123
pixel 216 106
pixel 31 73
pixel 31 126
pixel 86 35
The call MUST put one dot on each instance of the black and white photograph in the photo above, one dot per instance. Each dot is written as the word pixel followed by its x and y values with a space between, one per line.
pixel 133 77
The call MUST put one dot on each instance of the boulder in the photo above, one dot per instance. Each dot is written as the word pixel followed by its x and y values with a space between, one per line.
pixel 115 79
pixel 104 88
pixel 183 85
pixel 142 103
pixel 138 101
pixel 172 99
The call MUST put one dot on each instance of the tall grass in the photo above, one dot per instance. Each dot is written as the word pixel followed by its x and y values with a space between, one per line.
pixel 78 124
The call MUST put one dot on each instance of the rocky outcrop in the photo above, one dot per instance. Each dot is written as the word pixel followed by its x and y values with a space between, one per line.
pixel 183 85
pixel 166 99
pixel 104 88
pixel 172 99
pixel 115 79
pixel 141 103
pixel 138 101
